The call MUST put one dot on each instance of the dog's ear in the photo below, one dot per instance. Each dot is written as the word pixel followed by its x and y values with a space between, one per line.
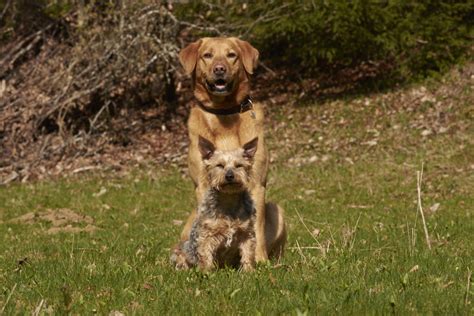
pixel 206 148
pixel 188 56
pixel 250 148
pixel 249 55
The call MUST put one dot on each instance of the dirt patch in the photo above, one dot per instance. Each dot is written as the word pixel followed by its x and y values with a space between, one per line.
pixel 61 220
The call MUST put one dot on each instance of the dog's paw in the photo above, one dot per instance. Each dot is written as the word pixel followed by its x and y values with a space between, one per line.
pixel 179 260
pixel 247 267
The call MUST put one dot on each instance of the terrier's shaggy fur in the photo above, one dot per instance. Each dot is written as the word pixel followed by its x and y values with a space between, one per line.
pixel 223 234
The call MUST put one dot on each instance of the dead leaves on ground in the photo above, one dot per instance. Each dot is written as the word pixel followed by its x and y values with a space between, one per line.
pixel 59 220
pixel 393 121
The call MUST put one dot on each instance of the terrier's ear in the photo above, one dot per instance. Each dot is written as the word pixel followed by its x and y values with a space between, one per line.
pixel 249 55
pixel 188 56
pixel 250 148
pixel 206 148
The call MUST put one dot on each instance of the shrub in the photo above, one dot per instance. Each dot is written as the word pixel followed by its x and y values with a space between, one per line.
pixel 112 58
pixel 415 37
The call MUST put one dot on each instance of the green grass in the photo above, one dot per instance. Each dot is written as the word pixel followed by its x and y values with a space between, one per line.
pixel 369 255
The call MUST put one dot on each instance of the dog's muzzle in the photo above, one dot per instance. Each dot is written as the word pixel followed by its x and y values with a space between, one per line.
pixel 219 86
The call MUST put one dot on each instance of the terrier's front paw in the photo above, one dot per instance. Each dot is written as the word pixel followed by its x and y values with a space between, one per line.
pixel 247 267
pixel 179 260
pixel 206 266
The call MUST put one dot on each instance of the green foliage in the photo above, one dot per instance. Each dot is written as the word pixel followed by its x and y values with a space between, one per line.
pixel 413 37
pixel 418 37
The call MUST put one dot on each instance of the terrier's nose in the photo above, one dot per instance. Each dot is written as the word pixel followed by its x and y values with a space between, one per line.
pixel 229 176
pixel 219 69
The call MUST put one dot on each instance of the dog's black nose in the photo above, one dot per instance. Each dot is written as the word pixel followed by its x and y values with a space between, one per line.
pixel 219 69
pixel 229 176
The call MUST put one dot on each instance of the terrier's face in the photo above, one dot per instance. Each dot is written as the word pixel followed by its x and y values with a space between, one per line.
pixel 228 171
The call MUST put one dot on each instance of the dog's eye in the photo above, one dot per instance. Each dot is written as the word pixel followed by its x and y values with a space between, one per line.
pixel 207 55
pixel 239 166
pixel 231 55
pixel 220 166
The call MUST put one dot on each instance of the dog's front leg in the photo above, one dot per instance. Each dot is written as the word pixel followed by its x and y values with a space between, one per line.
pixel 247 254
pixel 258 196
pixel 205 258
pixel 206 250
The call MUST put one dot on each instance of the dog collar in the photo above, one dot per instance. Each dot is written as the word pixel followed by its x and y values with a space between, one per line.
pixel 244 106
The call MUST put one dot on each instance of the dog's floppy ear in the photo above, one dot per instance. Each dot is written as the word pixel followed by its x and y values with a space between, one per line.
pixel 206 148
pixel 250 148
pixel 188 56
pixel 249 55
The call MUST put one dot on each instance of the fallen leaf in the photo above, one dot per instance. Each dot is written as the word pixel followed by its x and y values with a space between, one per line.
pixel 177 222
pixel 434 207
pixel 360 206
pixel 370 143
pixel 316 232
pixel 349 160
pixel 426 132
pixel 61 220
pixel 442 130
pixel 325 158
pixel 10 178
pixel 102 191
pixel 147 286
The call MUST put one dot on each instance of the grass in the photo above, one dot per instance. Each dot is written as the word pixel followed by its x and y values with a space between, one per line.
pixel 356 242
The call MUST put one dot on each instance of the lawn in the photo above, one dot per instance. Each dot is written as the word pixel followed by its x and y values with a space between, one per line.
pixel 344 170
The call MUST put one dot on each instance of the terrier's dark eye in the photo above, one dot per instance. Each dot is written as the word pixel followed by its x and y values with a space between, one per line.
pixel 231 55
pixel 220 166
pixel 207 55
pixel 239 166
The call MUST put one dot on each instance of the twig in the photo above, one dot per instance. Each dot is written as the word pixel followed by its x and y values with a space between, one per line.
pixel 86 168
pixel 300 251
pixel 92 123
pixel 200 27
pixel 25 50
pixel 8 299
pixel 351 246
pixel 469 275
pixel 419 175
pixel 360 206
pixel 38 308
pixel 411 238
pixel 265 18
pixel 307 229
pixel 19 50
pixel 268 69
pixel 5 9
pixel 18 47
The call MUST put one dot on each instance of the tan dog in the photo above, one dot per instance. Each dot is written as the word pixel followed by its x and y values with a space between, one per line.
pixel 220 69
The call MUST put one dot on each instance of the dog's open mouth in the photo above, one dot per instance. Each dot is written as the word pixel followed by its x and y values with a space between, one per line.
pixel 219 86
